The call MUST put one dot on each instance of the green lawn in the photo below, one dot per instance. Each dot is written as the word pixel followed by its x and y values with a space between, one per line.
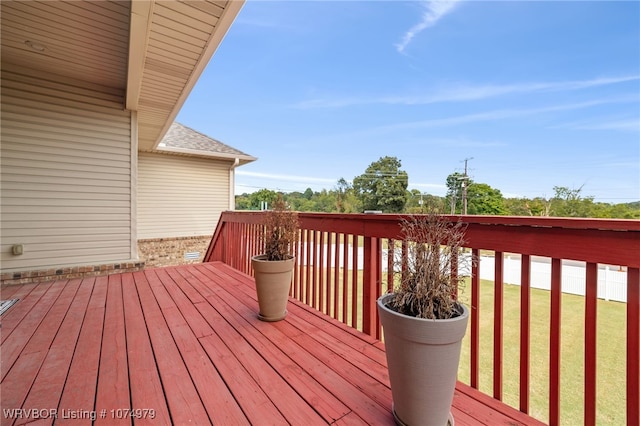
pixel 611 392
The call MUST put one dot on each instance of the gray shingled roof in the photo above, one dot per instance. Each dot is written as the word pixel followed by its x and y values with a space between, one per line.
pixel 183 138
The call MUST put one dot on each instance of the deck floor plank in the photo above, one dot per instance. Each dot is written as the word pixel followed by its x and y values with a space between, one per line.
pixel 113 377
pixel 219 403
pixel 186 342
pixel 7 291
pixel 146 388
pixel 29 295
pixel 49 382
pixel 244 387
pixel 327 405
pixel 31 320
pixel 337 333
pixel 498 410
pixel 357 366
pixel 197 322
pixel 185 406
pixel 323 401
pixel 328 368
pixel 79 391
pixel 287 401
pixel 22 374
pixel 283 397
pixel 17 291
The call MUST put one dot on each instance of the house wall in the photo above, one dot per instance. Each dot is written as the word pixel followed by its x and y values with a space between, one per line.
pixel 180 196
pixel 67 173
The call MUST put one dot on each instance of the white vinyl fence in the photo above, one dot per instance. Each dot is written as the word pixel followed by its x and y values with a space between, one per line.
pixel 612 281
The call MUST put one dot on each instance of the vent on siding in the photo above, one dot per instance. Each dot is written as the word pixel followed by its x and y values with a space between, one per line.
pixel 193 255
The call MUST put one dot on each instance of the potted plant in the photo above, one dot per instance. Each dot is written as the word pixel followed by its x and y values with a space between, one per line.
pixel 273 269
pixel 423 321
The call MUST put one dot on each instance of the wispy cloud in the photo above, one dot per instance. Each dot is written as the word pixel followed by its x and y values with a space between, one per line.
pixel 433 12
pixel 465 92
pixel 287 178
pixel 486 116
pixel 625 125
pixel 501 114
pixel 463 142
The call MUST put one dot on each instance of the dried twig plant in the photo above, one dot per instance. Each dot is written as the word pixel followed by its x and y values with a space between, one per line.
pixel 433 270
pixel 281 227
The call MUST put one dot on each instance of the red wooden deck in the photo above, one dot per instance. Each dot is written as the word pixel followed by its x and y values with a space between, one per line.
pixel 183 345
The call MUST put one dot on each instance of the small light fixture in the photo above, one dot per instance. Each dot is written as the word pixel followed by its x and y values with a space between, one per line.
pixel 35 46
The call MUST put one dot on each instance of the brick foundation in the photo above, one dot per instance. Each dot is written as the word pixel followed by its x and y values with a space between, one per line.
pixel 42 275
pixel 152 253
pixel 172 251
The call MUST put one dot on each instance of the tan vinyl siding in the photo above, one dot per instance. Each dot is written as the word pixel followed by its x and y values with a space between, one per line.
pixel 66 174
pixel 180 196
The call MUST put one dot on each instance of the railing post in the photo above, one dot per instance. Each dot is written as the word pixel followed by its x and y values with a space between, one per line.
pixel 554 344
pixel 354 282
pixel 590 333
pixel 370 280
pixel 525 330
pixel 345 277
pixel 633 346
pixel 391 253
pixel 475 320
pixel 498 314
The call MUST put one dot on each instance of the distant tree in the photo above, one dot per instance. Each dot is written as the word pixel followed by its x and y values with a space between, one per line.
pixel 454 191
pixel 300 203
pixel 483 199
pixel 346 200
pixel 243 202
pixel 624 211
pixel 421 203
pixel 527 207
pixel 324 201
pixel 264 195
pixel 383 186
pixel 570 203
pixel 308 194
pixel 539 206
pixel 413 201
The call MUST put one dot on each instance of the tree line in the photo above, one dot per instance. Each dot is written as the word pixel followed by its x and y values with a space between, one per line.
pixel 383 187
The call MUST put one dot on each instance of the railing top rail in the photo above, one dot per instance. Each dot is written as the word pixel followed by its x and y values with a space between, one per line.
pixel 251 216
pixel 610 241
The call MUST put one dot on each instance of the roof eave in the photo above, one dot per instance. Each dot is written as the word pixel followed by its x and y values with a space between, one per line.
pixel 139 28
pixel 243 158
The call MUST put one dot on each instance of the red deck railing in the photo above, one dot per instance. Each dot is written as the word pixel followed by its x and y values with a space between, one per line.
pixel 340 272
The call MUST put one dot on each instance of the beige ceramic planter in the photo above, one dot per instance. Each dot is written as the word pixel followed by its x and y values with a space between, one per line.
pixel 273 283
pixel 422 357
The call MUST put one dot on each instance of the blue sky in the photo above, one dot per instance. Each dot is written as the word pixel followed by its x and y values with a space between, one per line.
pixel 539 94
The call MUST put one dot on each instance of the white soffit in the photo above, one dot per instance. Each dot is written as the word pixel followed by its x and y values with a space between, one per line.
pixel 149 54
pixel 82 42
pixel 182 38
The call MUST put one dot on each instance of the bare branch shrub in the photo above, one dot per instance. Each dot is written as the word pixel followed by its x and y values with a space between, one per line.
pixel 280 231
pixel 430 273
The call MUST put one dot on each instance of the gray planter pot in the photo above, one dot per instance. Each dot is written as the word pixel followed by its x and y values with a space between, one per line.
pixel 273 283
pixel 422 357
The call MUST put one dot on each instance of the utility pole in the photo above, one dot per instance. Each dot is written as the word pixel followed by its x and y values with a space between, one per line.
pixel 465 179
